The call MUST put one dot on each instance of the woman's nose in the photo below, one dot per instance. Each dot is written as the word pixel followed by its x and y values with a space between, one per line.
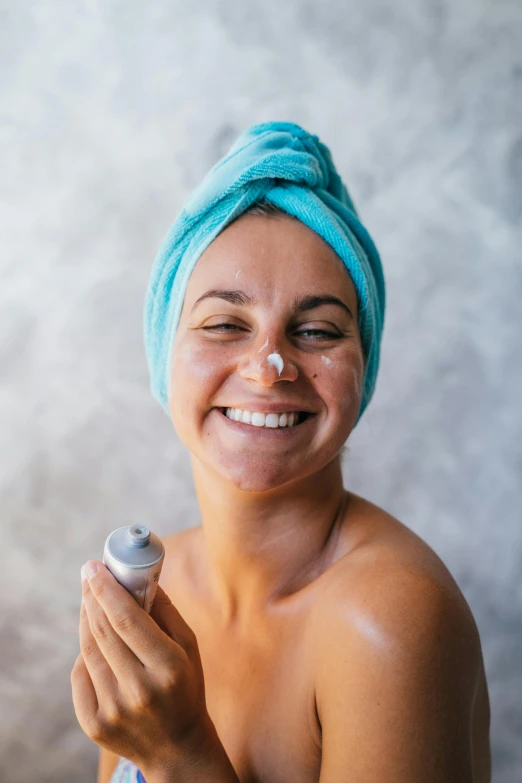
pixel 267 366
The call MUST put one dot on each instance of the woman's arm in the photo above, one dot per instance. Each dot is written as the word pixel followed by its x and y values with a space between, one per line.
pixel 400 663
pixel 107 764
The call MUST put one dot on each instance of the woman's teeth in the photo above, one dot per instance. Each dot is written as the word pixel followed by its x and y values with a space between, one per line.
pixel 273 420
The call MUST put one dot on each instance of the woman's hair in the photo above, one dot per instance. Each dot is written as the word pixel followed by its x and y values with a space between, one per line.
pixel 267 209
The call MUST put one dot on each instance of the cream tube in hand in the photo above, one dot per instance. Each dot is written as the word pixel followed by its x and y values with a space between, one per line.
pixel 134 556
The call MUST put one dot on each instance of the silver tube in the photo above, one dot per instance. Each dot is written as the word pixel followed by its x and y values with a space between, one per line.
pixel 135 556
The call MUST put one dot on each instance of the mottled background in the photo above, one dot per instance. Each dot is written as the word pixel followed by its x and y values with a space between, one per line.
pixel 111 113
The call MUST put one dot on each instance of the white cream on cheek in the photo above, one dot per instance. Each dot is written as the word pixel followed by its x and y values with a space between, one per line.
pixel 326 360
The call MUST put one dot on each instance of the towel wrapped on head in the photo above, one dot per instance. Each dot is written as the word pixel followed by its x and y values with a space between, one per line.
pixel 282 164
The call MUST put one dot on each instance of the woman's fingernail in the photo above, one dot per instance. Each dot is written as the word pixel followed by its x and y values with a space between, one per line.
pixel 83 574
pixel 92 567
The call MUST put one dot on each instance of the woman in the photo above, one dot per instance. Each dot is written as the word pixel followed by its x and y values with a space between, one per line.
pixel 311 635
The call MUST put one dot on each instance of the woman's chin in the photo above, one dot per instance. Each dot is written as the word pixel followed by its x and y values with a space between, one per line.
pixel 254 478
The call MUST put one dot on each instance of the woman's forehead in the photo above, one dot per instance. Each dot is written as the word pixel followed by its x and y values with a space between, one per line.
pixel 271 256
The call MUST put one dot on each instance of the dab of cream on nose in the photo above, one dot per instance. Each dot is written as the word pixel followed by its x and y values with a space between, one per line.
pixel 276 360
pixel 263 346
pixel 326 360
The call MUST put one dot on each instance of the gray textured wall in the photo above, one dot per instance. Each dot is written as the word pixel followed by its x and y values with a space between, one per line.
pixel 111 112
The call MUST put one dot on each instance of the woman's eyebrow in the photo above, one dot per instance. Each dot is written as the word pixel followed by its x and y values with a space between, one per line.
pixel 237 297
pixel 312 301
pixel 234 297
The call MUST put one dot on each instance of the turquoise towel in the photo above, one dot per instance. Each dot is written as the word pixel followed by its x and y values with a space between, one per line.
pixel 126 772
pixel 283 164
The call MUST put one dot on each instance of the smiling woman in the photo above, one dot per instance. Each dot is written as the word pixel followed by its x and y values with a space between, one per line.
pixel 333 643
pixel 296 302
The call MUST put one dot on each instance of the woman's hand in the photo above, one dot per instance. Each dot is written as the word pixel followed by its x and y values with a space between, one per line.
pixel 138 686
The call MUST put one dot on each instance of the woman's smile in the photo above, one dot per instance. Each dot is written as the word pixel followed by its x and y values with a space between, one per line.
pixel 268 434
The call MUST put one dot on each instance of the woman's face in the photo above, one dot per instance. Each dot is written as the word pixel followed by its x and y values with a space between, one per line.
pixel 222 347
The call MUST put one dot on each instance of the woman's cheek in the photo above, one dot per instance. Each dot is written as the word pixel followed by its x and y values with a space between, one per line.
pixel 195 364
pixel 348 386
pixel 194 377
pixel 354 392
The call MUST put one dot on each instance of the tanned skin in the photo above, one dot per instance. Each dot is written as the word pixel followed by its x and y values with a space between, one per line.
pixel 335 644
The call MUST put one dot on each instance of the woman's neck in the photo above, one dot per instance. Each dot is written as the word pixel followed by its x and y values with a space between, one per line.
pixel 259 547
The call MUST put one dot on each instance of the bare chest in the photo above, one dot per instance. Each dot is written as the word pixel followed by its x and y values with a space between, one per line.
pixel 260 697
pixel 259 688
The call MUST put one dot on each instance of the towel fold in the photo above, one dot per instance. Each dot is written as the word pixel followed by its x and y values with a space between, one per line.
pixel 126 772
pixel 283 164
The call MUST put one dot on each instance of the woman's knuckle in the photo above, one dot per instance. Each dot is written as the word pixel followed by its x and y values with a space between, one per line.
pixel 142 698
pixel 168 679
pixel 100 628
pixel 112 716
pixel 88 647
pixel 124 622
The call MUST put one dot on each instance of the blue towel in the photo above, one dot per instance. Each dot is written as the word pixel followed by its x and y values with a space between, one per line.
pixel 126 772
pixel 283 164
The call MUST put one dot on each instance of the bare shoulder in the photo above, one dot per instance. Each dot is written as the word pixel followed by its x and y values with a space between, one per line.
pixel 385 564
pixel 399 643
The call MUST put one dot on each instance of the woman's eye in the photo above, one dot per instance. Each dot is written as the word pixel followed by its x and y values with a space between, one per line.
pixel 218 326
pixel 329 335
pixel 228 327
